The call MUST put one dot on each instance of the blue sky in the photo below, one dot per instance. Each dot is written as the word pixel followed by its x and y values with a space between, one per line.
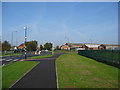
pixel 61 22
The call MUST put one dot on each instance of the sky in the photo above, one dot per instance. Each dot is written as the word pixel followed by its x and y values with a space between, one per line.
pixel 60 22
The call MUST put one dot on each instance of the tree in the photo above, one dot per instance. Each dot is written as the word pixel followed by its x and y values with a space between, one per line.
pixel 31 46
pixel 48 46
pixel 57 48
pixel 41 47
pixel 6 46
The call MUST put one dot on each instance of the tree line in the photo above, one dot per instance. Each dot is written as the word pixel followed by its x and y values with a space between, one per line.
pixel 30 46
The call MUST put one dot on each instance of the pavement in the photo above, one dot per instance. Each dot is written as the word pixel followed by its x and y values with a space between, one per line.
pixel 41 76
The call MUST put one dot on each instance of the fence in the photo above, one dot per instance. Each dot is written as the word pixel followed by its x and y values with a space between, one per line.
pixel 111 57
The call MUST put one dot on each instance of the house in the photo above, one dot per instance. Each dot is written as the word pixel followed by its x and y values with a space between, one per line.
pixel 92 46
pixel 102 47
pixel 75 46
pixel 112 47
pixel 89 46
pixel 85 47
pixel 21 46
pixel 65 47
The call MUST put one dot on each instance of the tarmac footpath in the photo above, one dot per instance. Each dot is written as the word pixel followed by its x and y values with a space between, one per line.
pixel 41 76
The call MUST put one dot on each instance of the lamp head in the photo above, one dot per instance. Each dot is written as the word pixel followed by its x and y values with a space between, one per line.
pixel 25 27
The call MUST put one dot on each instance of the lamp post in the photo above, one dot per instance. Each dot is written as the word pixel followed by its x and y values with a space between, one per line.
pixel 25 28
pixel 52 49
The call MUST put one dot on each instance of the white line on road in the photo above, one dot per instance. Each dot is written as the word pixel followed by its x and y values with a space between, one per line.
pixel 15 60
pixel 8 59
pixel 2 59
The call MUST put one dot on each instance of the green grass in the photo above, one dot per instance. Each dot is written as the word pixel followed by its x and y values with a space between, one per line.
pixel 12 54
pixel 75 71
pixel 65 51
pixel 37 57
pixel 14 71
pixel 0 77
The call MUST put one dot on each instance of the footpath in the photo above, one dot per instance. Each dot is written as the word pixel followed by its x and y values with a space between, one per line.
pixel 41 76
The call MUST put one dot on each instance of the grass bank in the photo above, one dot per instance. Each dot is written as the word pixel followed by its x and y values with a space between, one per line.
pixel 37 57
pixel 75 71
pixel 14 71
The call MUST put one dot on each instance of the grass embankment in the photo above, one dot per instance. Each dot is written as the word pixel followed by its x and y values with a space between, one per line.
pixel 75 71
pixel 38 57
pixel 14 71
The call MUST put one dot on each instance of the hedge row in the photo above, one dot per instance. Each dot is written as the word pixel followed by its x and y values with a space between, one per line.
pixel 111 57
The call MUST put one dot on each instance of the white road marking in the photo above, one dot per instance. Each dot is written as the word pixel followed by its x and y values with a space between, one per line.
pixel 2 59
pixel 15 60
pixel 8 59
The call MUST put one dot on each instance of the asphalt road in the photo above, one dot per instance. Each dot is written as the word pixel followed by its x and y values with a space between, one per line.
pixel 8 59
pixel 41 76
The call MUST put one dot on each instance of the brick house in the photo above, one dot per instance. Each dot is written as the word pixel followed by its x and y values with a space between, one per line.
pixel 21 46
pixel 65 47
pixel 75 46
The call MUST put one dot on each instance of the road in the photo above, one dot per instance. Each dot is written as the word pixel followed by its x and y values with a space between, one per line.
pixel 8 59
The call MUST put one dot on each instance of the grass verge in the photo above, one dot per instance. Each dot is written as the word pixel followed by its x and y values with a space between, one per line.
pixel 14 71
pixel 12 54
pixel 37 57
pixel 65 51
pixel 75 71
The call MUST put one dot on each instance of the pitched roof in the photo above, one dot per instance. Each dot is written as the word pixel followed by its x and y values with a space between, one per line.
pixel 21 46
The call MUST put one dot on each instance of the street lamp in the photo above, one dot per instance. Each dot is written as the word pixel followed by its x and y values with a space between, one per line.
pixel 25 28
pixel 53 49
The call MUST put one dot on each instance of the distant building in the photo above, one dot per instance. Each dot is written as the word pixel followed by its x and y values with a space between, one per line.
pixel 112 47
pixel 65 47
pixel 89 46
pixel 75 46
pixel 102 47
pixel 85 47
pixel 92 46
pixel 14 48
pixel 21 46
